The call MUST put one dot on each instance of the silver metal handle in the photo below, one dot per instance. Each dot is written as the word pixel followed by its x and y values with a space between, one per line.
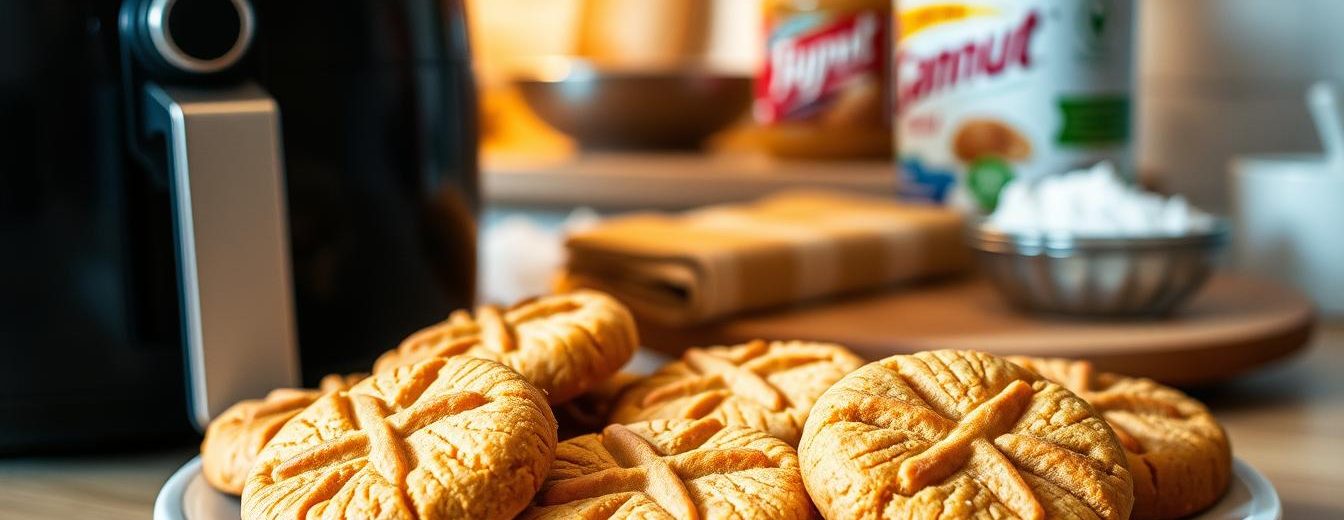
pixel 227 184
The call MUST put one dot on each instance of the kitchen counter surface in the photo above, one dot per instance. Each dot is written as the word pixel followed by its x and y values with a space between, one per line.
pixel 669 180
pixel 1287 421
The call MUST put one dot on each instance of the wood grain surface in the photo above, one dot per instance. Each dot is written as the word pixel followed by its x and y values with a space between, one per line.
pixel 1232 326
pixel 1287 420
pixel 617 180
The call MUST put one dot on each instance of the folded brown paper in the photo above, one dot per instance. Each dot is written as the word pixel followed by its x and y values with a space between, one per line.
pixel 713 262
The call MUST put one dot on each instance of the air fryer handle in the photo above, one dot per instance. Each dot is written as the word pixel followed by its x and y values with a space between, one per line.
pixel 226 181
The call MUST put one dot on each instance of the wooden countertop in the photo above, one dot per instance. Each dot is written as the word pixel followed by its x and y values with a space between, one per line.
pixel 667 180
pixel 1236 322
pixel 1287 421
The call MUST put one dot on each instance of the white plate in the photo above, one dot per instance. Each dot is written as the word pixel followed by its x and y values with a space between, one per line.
pixel 186 496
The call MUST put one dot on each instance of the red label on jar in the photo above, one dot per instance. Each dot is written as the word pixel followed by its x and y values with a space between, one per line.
pixel 810 58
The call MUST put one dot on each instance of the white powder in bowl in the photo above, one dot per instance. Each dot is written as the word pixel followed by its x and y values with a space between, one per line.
pixel 1096 203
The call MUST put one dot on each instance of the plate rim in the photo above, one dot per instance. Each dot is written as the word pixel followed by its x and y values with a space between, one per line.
pixel 1257 480
pixel 168 504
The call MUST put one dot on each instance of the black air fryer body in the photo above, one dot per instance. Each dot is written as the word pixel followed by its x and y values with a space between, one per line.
pixel 377 132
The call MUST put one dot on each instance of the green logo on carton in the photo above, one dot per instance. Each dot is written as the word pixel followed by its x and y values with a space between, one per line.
pixel 986 179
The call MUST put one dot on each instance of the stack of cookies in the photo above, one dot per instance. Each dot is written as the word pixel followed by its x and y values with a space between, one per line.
pixel 460 421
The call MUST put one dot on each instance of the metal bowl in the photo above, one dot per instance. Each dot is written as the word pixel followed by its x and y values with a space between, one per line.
pixel 624 108
pixel 1097 277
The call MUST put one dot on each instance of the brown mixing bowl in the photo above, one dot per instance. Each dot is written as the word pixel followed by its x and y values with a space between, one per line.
pixel 625 108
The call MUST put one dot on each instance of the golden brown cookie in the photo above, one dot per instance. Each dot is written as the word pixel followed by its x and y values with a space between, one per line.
pixel 954 434
pixel 456 437
pixel 563 344
pixel 767 386
pixel 236 436
pixel 1178 453
pixel 673 469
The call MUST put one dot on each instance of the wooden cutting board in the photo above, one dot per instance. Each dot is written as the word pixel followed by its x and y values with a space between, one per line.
pixel 1233 325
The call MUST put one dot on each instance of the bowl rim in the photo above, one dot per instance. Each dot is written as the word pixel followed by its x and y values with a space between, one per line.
pixel 985 238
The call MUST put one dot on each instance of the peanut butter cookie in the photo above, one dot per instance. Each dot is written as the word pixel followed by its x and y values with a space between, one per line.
pixel 767 386
pixel 456 437
pixel 564 344
pixel 236 436
pixel 673 469
pixel 952 434
pixel 1169 438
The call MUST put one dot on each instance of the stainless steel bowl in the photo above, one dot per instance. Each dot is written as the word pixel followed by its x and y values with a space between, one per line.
pixel 672 107
pixel 1097 277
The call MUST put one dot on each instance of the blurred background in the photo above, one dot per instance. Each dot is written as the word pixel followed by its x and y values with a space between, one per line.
pixel 1212 80
pixel 1216 78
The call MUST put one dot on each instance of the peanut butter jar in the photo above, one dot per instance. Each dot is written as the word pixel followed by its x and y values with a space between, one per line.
pixel 823 89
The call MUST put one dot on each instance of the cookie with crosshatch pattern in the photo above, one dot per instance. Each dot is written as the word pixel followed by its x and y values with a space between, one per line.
pixel 564 343
pixel 1168 437
pixel 673 469
pixel 455 437
pixel 956 434
pixel 236 436
pixel 769 386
